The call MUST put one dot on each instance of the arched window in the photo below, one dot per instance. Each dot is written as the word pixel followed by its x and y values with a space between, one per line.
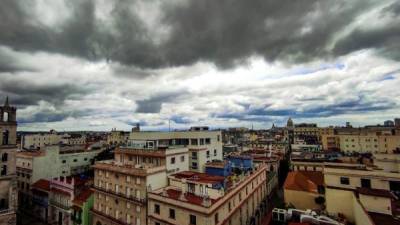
pixel 5 137
pixel 4 157
pixel 5 117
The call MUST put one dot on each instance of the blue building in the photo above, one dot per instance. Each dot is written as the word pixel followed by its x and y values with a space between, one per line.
pixel 220 168
pixel 243 162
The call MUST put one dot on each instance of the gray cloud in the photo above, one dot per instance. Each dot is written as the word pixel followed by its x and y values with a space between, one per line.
pixel 154 103
pixel 222 32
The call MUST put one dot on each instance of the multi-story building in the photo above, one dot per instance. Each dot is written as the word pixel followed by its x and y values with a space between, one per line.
pixel 137 153
pixel 196 198
pixel 117 137
pixel 39 140
pixel 8 147
pixel 63 191
pixel 204 146
pixel 121 184
pixel 82 204
pixel 363 195
pixel 309 132
pixel 73 139
pixel 48 163
pixel 120 191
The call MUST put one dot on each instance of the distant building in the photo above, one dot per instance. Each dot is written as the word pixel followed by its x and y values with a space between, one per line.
pixel 117 137
pixel 8 147
pixel 388 123
pixel 397 122
pixel 40 140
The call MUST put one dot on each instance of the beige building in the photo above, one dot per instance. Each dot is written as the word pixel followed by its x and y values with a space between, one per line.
pixel 39 140
pixel 121 185
pixel 302 188
pixel 8 147
pixel 363 196
pixel 195 198
pixel 117 137
pixel 120 192
pixel 204 146
pixel 73 139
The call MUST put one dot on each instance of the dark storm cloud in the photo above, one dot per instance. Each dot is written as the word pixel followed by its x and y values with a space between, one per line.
pixel 25 93
pixel 51 116
pixel 154 103
pixel 225 32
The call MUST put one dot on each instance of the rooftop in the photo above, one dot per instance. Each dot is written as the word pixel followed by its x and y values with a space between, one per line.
pixel 307 181
pixel 42 184
pixel 382 219
pixel 198 177
pixel 217 164
pixel 82 197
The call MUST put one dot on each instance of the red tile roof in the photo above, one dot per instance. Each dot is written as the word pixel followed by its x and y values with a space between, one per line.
pixel 376 192
pixel 198 177
pixel 42 184
pixel 82 197
pixel 307 181
pixel 59 191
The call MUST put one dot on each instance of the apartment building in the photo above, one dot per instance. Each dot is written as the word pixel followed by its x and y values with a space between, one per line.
pixel 117 137
pixel 39 140
pixel 120 191
pixel 137 153
pixel 363 196
pixel 307 130
pixel 204 145
pixel 196 198
pixel 50 162
pixel 8 147
pixel 73 139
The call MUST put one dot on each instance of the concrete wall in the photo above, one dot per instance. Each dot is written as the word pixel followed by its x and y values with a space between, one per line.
pixel 376 204
pixel 301 199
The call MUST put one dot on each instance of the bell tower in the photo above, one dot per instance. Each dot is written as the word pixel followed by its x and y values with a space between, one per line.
pixel 8 124
pixel 8 148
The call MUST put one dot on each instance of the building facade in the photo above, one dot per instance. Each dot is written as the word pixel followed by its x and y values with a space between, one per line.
pixel 8 147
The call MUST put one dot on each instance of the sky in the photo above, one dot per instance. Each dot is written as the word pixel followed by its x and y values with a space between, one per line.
pixel 103 64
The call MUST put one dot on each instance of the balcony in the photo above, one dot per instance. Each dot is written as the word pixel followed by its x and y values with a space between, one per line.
pixel 60 205
pixel 120 195
pixel 108 217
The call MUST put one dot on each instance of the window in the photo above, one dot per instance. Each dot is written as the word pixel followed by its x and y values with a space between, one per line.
pixel 173 160
pixel 183 158
pixel 85 159
pixel 194 155
pixel 156 209
pixel 64 161
pixel 193 141
pixel 172 213
pixel 194 165
pixel 137 180
pixel 201 141
pixel 208 154
pixel 216 220
pixel 75 160
pixel 365 183
pixel 208 141
pixel 215 152
pixel 218 138
pixel 4 157
pixel 321 189
pixel 344 180
pixel 192 219
pixel 128 179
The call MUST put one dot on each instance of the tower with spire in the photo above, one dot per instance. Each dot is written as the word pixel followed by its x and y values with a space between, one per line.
pixel 8 148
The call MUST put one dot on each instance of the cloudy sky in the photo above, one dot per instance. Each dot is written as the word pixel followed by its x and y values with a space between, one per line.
pixel 99 64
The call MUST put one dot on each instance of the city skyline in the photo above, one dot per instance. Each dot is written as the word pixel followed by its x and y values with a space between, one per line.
pixel 96 65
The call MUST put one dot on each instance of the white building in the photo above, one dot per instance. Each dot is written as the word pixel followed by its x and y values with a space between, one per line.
pixel 203 145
